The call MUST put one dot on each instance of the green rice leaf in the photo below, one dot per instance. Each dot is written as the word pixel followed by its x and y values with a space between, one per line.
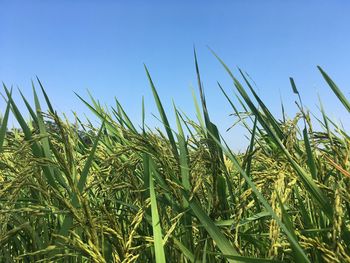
pixel 89 161
pixel 310 157
pixel 46 97
pixel 3 124
pixel 335 89
pixel 163 115
pixel 221 241
pixel 156 224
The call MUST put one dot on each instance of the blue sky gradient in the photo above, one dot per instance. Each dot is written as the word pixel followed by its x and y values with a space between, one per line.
pixel 101 46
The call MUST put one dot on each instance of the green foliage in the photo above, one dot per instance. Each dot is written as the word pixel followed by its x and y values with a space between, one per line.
pixel 114 193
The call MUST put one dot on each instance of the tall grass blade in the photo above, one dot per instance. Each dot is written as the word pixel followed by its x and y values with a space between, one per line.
pixel 3 125
pixel 310 157
pixel 221 241
pixel 51 110
pixel 156 224
pixel 89 161
pixel 335 89
pixel 163 115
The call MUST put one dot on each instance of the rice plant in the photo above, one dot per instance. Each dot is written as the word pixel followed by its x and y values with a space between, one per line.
pixel 124 193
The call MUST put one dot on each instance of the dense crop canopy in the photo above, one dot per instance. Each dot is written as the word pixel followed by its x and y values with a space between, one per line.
pixel 116 193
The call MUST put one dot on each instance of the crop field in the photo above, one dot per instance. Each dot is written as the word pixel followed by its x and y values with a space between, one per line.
pixel 124 192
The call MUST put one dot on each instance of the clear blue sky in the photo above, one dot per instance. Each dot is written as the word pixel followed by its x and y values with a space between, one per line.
pixel 102 45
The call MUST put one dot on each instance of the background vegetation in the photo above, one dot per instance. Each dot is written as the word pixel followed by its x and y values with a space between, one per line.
pixel 122 193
